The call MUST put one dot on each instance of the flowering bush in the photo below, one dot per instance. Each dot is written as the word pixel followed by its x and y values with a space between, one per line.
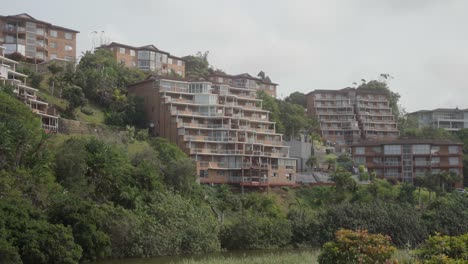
pixel 357 247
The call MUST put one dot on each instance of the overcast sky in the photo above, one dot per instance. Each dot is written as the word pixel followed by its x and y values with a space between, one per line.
pixel 302 45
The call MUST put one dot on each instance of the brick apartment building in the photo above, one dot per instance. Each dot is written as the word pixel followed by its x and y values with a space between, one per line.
pixel 450 119
pixel 350 115
pixel 35 39
pixel 245 80
pixel 26 94
pixel 405 159
pixel 148 58
pixel 222 126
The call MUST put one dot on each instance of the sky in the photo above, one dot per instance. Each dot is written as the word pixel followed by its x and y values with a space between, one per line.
pixel 302 45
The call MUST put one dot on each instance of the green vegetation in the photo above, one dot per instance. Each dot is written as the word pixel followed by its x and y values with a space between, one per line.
pixel 444 249
pixel 289 116
pixel 278 258
pixel 356 247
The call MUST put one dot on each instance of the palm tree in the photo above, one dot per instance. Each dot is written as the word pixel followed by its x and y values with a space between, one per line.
pixel 312 162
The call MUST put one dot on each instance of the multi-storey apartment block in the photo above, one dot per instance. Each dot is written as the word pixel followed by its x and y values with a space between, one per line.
pixel 405 159
pixel 349 115
pixel 37 40
pixel 148 58
pixel 245 80
pixel 446 118
pixel 28 95
pixel 221 126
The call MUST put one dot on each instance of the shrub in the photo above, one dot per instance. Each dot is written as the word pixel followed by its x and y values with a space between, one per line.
pixel 356 247
pixel 87 111
pixel 251 231
pixel 444 249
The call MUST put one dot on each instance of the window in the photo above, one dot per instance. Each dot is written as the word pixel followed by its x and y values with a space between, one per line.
pixel 68 48
pixel 53 44
pixel 453 149
pixel 179 63
pixel 68 35
pixel 132 53
pixel 220 173
pixel 288 176
pixel 421 149
pixel 203 174
pixel 360 151
pixel 169 61
pixel 435 149
pixel 122 50
pixel 53 33
pixel 392 149
pixel 53 56
pixel 275 174
pixel 179 72
pixel 360 160
pixel 272 87
pixel 435 160
pixel 377 149
pixel 453 161
pixel 454 170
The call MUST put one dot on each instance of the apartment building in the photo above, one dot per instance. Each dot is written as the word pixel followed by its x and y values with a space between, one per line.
pixel 26 94
pixel 245 80
pixel 221 126
pixel 405 159
pixel 148 58
pixel 37 40
pixel 450 119
pixel 350 115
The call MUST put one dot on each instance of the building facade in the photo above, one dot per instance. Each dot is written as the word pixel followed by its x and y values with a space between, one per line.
pixel 245 80
pixel 37 40
pixel 350 115
pixel 450 119
pixel 222 127
pixel 26 94
pixel 300 148
pixel 406 159
pixel 147 58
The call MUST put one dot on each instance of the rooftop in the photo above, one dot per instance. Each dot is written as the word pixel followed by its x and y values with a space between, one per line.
pixel 29 18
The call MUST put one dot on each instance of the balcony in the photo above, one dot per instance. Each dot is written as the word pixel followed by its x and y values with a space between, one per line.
pixel 197 125
pixel 422 163
pixel 208 138
pixel 13 29
pixel 215 151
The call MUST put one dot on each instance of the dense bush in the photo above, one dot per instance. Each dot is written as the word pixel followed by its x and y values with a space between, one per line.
pixel 402 223
pixel 356 247
pixel 251 231
pixel 444 249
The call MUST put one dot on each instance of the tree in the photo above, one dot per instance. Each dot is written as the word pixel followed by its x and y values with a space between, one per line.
pixel 54 69
pixel 75 96
pixel 343 181
pixel 197 66
pixel 312 161
pixel 20 133
pixel 297 98
pixel 357 247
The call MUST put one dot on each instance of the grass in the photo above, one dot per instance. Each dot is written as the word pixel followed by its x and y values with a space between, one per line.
pixel 272 258
pixel 96 118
